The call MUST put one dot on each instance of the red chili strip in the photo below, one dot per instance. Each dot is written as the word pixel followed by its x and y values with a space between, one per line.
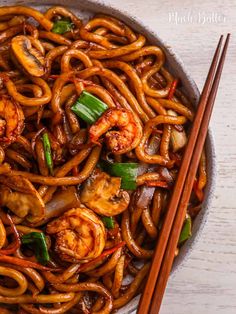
pixel 24 263
pixel 54 76
pixel 160 184
pixel 173 88
pixel 85 82
pixel 104 254
pixel 157 131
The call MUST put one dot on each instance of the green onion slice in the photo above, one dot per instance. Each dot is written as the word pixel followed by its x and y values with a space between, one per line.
pixel 186 230
pixel 88 107
pixel 47 152
pixel 37 240
pixel 126 171
pixel 108 222
pixel 62 26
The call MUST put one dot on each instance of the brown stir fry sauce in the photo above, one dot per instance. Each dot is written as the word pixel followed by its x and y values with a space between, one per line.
pixel 92 131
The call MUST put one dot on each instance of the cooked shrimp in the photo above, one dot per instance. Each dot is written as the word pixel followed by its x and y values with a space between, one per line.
pixel 123 140
pixel 80 235
pixel 11 120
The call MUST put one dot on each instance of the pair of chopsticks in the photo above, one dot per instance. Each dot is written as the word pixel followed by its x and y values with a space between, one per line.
pixel 163 258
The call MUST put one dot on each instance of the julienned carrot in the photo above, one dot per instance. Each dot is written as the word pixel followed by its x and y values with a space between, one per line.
pixel 24 263
pixel 104 254
pixel 173 88
pixel 161 184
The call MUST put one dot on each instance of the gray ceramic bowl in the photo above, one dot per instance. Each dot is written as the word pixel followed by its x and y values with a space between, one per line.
pixel 87 8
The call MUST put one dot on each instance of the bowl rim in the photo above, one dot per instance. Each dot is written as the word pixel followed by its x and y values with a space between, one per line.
pixel 202 217
pixel 136 23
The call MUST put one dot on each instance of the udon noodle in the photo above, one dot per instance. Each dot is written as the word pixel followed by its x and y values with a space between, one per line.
pixel 92 131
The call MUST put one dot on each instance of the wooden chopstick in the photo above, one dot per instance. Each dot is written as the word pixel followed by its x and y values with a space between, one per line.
pixel 173 205
pixel 181 212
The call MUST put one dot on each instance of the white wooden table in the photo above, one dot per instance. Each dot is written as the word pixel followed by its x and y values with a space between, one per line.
pixel 206 283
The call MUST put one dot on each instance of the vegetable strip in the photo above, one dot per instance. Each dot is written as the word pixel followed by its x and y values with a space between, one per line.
pixel 92 134
pixel 173 88
pixel 47 152
pixel 38 240
pixel 62 26
pixel 88 107
pixel 127 171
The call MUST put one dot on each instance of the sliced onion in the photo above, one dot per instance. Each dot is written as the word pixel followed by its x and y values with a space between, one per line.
pixel 144 196
pixel 166 175
pixel 61 202
pixel 152 149
pixel 178 137
pixel 154 144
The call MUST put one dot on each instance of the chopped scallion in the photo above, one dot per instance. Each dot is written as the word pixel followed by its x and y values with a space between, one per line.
pixel 108 222
pixel 88 107
pixel 126 171
pixel 38 240
pixel 62 26
pixel 47 152
pixel 186 230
